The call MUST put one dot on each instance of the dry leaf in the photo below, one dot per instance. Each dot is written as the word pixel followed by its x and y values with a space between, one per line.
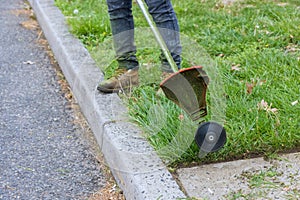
pixel 273 110
pixel 253 84
pixel 236 67
pixel 30 24
pixel 292 48
pixel 20 12
pixel 250 87
pixel 263 105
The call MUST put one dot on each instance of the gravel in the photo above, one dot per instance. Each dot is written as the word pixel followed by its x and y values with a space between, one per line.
pixel 42 155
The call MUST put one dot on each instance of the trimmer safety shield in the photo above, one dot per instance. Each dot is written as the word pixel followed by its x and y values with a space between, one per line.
pixel 187 88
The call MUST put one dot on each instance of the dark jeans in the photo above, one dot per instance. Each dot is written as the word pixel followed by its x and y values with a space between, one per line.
pixel 122 25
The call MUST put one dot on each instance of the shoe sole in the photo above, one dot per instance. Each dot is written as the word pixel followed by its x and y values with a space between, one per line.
pixel 107 91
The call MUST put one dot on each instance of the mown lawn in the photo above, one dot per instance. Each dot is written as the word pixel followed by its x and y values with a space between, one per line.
pixel 251 49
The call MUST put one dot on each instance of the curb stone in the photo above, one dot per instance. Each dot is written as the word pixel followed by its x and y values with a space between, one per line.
pixel 136 167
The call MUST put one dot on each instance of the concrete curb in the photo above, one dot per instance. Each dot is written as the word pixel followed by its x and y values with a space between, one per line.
pixel 138 170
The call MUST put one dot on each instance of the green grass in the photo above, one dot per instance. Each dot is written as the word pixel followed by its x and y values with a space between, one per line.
pixel 260 38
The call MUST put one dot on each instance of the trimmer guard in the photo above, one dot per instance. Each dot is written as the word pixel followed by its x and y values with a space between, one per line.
pixel 187 88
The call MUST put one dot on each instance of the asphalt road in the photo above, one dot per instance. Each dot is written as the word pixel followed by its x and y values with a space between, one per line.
pixel 42 155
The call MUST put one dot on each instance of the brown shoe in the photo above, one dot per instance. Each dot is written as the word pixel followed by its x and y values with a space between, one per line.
pixel 123 80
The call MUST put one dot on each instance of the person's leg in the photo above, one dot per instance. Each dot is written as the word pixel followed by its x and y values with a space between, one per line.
pixel 122 27
pixel 165 18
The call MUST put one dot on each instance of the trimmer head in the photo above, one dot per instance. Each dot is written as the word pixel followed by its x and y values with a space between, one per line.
pixel 187 88
pixel 210 137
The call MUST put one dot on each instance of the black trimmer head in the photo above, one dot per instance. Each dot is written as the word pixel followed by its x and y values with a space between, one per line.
pixel 187 88
pixel 210 137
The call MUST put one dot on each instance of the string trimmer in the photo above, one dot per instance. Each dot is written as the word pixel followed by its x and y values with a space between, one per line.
pixel 187 88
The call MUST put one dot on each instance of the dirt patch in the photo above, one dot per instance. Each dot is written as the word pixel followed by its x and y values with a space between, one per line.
pixel 27 12
pixel 109 192
pixel 30 24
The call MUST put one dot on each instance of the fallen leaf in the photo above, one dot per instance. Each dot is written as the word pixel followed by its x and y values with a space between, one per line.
pixel 20 12
pixel 30 24
pixel 253 84
pixel 292 48
pixel 263 105
pixel 250 87
pixel 273 110
pixel 236 67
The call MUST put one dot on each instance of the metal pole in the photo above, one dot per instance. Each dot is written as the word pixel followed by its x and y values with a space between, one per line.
pixel 157 35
